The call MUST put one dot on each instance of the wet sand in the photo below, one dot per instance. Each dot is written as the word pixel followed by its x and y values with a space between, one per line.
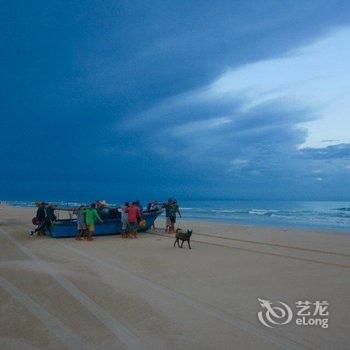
pixel 143 293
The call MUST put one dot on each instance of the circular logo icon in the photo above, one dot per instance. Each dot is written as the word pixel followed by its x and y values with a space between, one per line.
pixel 274 315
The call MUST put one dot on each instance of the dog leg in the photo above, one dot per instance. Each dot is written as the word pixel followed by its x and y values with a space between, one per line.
pixel 176 240
pixel 189 245
pixel 182 243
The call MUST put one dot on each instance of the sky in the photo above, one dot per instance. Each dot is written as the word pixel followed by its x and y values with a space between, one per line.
pixel 187 99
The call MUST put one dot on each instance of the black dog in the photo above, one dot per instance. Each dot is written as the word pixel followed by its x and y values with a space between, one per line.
pixel 183 237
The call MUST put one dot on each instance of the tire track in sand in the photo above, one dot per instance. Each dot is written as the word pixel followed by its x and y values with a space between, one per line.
pixel 129 339
pixel 50 322
pixel 282 342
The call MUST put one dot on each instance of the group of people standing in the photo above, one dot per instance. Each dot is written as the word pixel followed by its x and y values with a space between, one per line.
pixel 131 216
pixel 86 218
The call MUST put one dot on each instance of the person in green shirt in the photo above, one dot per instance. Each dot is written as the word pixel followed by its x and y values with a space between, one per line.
pixel 91 216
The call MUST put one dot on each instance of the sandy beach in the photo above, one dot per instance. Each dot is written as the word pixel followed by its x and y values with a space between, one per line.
pixel 143 293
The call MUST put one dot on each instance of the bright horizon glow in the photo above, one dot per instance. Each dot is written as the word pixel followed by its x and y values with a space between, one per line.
pixel 316 76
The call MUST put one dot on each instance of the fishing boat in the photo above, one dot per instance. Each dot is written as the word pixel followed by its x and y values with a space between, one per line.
pixel 111 224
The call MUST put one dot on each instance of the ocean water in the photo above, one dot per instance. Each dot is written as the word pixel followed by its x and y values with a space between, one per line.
pixel 322 215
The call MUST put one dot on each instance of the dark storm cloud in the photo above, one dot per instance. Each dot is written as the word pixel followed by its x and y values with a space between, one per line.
pixel 94 97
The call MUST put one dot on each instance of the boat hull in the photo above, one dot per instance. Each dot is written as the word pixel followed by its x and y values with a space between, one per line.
pixel 68 228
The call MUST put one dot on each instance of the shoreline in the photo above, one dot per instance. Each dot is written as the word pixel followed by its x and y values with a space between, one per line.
pixel 291 227
pixel 230 223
